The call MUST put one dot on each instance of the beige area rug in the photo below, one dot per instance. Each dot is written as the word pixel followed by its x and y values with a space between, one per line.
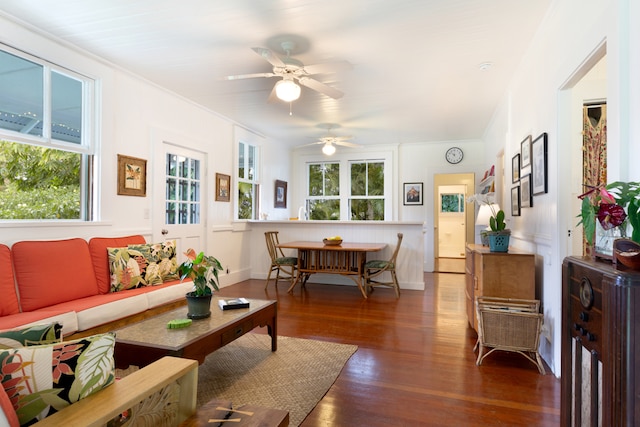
pixel 294 378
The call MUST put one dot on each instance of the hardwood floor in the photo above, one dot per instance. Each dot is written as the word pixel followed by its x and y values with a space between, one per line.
pixel 415 363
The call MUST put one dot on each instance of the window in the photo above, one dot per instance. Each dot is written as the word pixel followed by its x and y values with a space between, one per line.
pixel 451 203
pixel 248 185
pixel 367 191
pixel 323 202
pixel 182 204
pixel 46 143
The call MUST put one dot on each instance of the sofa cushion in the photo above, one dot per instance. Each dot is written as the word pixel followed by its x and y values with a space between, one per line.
pixel 98 248
pixel 41 380
pixel 31 335
pixel 162 262
pixel 10 418
pixel 53 271
pixel 65 317
pixel 9 301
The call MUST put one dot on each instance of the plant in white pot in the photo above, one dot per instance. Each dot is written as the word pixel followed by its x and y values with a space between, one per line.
pixel 203 271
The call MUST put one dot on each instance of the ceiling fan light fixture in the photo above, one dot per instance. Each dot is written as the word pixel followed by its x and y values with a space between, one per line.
pixel 328 149
pixel 287 90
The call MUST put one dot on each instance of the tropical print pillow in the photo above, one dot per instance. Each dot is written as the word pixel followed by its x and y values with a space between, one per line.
pixel 127 269
pixel 41 380
pixel 162 262
pixel 31 335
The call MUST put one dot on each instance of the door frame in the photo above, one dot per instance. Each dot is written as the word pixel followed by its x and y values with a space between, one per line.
pixel 467 179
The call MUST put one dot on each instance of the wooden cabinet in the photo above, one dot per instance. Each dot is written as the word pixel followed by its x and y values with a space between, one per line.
pixel 497 274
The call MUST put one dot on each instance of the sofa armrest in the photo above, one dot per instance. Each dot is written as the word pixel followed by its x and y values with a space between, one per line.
pixel 103 406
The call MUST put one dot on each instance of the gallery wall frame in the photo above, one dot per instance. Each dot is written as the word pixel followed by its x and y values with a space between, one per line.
pixel 526 196
pixel 525 152
pixel 132 176
pixel 280 196
pixel 223 187
pixel 515 201
pixel 515 168
pixel 539 164
pixel 412 193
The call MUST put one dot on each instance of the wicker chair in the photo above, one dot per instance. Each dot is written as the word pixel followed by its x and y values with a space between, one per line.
pixel 375 268
pixel 281 264
pixel 509 324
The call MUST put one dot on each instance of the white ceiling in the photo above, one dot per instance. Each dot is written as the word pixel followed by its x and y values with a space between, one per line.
pixel 415 75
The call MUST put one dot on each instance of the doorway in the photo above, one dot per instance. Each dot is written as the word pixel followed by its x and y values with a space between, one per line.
pixel 453 220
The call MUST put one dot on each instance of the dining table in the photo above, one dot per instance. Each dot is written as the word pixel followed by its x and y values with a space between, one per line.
pixel 346 259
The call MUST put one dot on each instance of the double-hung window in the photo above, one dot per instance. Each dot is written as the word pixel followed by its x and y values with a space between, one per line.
pixel 46 139
pixel 323 200
pixel 367 191
pixel 248 184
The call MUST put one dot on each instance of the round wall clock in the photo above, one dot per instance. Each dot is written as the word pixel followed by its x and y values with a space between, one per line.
pixel 454 155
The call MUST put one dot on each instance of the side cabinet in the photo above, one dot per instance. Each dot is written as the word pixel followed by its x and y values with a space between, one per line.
pixel 497 274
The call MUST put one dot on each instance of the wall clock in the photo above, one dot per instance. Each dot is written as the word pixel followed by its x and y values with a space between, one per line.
pixel 454 155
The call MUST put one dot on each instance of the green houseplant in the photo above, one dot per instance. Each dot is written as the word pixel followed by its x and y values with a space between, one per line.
pixel 498 235
pixel 203 271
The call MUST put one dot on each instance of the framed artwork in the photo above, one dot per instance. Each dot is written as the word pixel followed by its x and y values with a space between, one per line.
pixel 132 176
pixel 539 164
pixel 515 168
pixel 515 201
pixel 525 152
pixel 412 193
pixel 281 194
pixel 223 187
pixel 526 197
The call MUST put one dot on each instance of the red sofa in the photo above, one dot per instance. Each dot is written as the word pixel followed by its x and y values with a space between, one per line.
pixel 69 281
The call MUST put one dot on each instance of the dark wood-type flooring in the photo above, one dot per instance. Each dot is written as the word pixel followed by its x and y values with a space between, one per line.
pixel 415 364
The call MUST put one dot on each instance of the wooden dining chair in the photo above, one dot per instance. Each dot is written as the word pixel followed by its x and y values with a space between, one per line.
pixel 281 264
pixel 375 268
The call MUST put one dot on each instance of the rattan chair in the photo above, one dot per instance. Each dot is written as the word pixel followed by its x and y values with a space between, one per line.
pixel 509 324
pixel 281 264
pixel 375 268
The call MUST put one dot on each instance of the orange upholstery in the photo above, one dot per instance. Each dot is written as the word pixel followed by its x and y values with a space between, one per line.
pixel 52 272
pixel 20 319
pixel 98 248
pixel 7 408
pixel 9 301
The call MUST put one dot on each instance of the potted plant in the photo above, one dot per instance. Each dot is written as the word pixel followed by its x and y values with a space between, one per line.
pixel 203 271
pixel 497 235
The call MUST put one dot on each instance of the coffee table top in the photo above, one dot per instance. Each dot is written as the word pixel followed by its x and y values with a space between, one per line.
pixel 154 332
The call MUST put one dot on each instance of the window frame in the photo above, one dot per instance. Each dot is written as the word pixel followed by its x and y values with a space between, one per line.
pixel 255 182
pixel 88 138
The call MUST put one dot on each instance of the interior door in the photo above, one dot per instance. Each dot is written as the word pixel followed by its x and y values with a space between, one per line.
pixel 451 221
pixel 180 210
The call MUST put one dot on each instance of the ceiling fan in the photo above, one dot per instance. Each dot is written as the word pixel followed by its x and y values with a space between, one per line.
pixel 292 70
pixel 329 143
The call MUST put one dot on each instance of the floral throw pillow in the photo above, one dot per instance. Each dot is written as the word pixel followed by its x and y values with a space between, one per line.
pixel 162 263
pixel 41 380
pixel 127 269
pixel 31 335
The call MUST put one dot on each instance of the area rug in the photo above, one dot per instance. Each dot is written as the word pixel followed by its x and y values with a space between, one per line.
pixel 294 378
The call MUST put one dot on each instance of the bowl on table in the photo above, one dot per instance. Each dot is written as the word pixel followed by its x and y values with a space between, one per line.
pixel 332 242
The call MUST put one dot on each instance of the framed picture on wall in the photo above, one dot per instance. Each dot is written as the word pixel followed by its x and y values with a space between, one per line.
pixel 515 201
pixel 412 193
pixel 223 187
pixel 132 176
pixel 280 197
pixel 526 197
pixel 539 164
pixel 525 152
pixel 515 168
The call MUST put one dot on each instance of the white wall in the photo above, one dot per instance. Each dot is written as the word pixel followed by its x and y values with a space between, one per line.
pixel 570 35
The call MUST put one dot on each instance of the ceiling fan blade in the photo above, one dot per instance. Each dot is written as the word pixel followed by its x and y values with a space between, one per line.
pixel 328 67
pixel 269 56
pixel 273 97
pixel 313 143
pixel 347 144
pixel 248 76
pixel 320 87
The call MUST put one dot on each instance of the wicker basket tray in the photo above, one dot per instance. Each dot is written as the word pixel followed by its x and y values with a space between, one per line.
pixel 509 325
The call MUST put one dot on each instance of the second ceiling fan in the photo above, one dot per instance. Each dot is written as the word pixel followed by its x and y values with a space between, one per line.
pixel 293 72
pixel 329 143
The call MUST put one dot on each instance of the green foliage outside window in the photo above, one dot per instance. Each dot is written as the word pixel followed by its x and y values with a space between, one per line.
pixel 367 209
pixel 367 191
pixel 39 183
pixel 324 188
pixel 245 200
pixel 452 203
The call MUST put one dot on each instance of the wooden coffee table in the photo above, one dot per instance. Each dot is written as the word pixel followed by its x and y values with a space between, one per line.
pixel 144 342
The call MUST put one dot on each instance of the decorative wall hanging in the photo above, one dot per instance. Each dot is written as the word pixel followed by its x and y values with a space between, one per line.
pixel 525 152
pixel 223 187
pixel 132 176
pixel 515 168
pixel 281 194
pixel 539 164
pixel 412 193
pixel 515 201
pixel 526 198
